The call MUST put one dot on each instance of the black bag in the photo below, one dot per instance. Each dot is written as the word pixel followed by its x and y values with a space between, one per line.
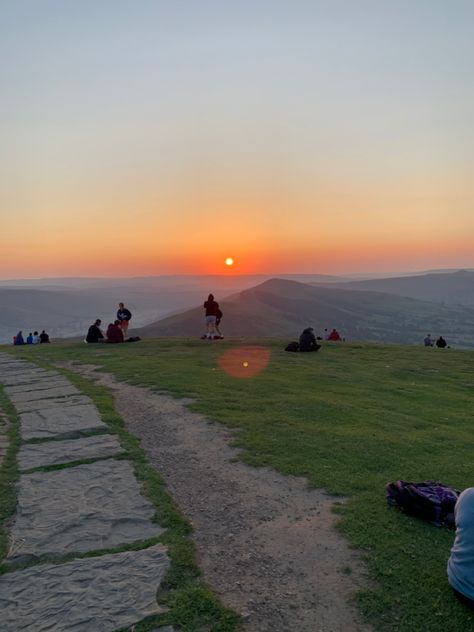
pixel 292 346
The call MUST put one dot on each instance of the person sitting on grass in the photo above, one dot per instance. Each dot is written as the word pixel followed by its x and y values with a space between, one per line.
pixel 114 333
pixel 308 340
pixel 44 337
pixel 334 335
pixel 441 343
pixel 428 340
pixel 29 339
pixel 461 561
pixel 18 339
pixel 94 334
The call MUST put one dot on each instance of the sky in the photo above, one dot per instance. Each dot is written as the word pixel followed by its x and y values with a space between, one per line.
pixel 297 136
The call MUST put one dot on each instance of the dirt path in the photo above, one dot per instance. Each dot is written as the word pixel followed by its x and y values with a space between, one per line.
pixel 265 542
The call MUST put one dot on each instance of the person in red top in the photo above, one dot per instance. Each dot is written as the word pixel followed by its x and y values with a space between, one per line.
pixel 334 335
pixel 212 309
pixel 114 333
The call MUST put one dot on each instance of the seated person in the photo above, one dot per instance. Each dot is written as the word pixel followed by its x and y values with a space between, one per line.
pixel 94 334
pixel 334 335
pixel 35 338
pixel 461 561
pixel 428 341
pixel 29 339
pixel 18 339
pixel 114 332
pixel 441 343
pixel 43 337
pixel 308 340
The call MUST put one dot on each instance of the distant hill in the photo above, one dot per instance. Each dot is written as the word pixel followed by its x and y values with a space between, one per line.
pixel 283 308
pixel 455 288
pixel 66 306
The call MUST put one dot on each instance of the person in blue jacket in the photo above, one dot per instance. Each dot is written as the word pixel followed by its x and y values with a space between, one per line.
pixel 461 561
pixel 19 340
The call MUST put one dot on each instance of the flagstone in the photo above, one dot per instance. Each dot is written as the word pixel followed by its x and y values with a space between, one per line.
pixel 101 593
pixel 79 509
pixel 67 422
pixel 56 452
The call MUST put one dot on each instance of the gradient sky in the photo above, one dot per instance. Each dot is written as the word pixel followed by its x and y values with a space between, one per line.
pixel 155 137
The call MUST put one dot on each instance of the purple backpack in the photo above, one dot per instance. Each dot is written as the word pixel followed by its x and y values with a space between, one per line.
pixel 431 501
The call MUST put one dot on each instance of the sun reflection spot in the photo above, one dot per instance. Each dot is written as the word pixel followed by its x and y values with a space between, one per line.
pixel 245 364
pixel 246 361
pixel 229 261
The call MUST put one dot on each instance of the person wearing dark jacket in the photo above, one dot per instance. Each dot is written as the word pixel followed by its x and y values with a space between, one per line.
pixel 124 316
pixel 114 333
pixel 308 340
pixel 212 309
pixel 441 343
pixel 19 340
pixel 44 338
pixel 94 334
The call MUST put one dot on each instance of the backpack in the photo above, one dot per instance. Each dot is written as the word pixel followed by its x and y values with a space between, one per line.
pixel 219 314
pixel 292 346
pixel 430 500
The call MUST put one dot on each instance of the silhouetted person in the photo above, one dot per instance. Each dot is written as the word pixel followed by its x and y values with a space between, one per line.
pixel 441 343
pixel 114 333
pixel 212 308
pixel 308 341
pixel 334 335
pixel 124 316
pixel 428 340
pixel 461 561
pixel 19 340
pixel 94 334
pixel 44 338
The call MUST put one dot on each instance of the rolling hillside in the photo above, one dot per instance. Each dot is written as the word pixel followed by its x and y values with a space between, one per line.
pixel 454 288
pixel 283 308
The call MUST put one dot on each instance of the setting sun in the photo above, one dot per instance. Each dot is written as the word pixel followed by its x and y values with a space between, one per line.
pixel 229 261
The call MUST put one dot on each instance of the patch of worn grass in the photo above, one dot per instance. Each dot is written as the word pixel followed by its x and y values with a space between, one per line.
pixel 350 419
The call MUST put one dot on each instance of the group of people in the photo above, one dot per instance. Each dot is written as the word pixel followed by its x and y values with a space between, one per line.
pixel 116 331
pixel 31 339
pixel 440 342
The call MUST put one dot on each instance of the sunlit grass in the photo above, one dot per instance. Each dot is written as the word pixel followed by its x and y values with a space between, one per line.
pixel 350 419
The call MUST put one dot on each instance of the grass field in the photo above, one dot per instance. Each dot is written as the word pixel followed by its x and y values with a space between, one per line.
pixel 350 419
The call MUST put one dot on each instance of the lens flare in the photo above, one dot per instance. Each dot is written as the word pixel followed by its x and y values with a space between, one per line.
pixel 245 361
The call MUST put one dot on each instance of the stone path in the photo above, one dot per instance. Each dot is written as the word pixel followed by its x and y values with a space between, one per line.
pixel 80 508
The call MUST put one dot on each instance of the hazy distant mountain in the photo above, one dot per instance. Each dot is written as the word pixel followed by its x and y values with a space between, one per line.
pixel 66 306
pixel 455 288
pixel 283 308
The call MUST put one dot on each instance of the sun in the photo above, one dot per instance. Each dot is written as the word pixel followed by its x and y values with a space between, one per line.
pixel 229 261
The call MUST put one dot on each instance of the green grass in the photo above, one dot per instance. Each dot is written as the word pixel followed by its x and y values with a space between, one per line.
pixel 350 419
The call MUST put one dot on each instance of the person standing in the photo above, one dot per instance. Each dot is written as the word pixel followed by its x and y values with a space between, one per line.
pixel 212 308
pixel 124 317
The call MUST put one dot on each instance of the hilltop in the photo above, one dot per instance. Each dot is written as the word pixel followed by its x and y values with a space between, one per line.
pixel 281 307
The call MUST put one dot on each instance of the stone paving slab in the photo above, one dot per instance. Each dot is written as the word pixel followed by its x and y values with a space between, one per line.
pixel 38 385
pixel 19 369
pixel 28 395
pixel 55 452
pixel 59 403
pixel 51 423
pixel 79 509
pixel 28 377
pixel 100 594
